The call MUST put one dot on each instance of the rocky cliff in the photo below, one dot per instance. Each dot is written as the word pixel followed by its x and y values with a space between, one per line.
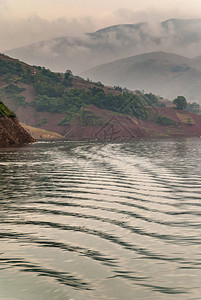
pixel 11 132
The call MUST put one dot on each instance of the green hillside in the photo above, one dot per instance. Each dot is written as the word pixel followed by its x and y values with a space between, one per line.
pixel 62 93
pixel 82 109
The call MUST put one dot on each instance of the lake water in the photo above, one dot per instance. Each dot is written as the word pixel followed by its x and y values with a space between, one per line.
pixel 101 220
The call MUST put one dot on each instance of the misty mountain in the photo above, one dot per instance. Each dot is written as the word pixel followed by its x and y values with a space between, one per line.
pixel 182 37
pixel 196 62
pixel 166 74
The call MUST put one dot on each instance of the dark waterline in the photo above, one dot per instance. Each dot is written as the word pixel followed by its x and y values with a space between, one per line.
pixel 101 221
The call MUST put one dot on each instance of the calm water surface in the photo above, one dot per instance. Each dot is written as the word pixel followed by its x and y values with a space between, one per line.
pixel 101 221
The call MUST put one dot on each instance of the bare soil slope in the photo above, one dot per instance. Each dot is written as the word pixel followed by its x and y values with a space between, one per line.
pixel 123 127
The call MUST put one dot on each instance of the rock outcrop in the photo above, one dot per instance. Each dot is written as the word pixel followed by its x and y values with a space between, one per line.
pixel 11 132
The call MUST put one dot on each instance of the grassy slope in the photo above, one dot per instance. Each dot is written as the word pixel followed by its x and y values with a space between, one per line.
pixel 41 134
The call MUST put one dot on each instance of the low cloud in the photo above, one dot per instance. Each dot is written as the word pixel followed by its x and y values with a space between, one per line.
pixel 66 46
pixel 21 32
pixel 88 50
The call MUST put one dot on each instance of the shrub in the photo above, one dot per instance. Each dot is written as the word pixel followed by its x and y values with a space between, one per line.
pixel 45 103
pixel 42 121
pixel 19 100
pixel 13 89
pixel 162 120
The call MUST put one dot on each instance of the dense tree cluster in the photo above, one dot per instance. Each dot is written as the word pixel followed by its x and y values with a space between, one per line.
pixel 72 100
pixel 55 94
pixel 10 67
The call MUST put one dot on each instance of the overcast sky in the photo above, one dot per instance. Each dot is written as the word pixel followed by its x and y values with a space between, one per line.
pixel 25 21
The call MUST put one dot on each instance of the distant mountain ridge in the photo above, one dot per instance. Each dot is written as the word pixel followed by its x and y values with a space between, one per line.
pixel 117 28
pixel 165 74
pixel 178 36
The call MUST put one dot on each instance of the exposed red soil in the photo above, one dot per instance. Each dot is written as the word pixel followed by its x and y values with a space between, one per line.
pixel 122 127
pixel 29 92
pixel 115 126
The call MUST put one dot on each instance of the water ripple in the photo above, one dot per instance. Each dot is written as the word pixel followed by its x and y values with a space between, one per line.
pixel 101 221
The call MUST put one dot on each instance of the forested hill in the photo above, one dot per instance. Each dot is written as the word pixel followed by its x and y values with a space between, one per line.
pixel 80 109
pixel 31 88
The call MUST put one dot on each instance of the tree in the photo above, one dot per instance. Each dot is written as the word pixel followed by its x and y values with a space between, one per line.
pixel 118 88
pixel 180 102
pixel 68 76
